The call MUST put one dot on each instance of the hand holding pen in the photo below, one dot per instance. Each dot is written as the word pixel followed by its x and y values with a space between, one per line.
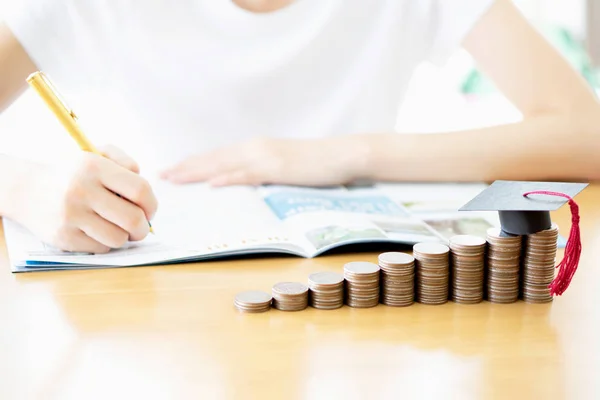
pixel 97 204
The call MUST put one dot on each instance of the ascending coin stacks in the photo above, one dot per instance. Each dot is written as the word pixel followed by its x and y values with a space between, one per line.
pixel 434 274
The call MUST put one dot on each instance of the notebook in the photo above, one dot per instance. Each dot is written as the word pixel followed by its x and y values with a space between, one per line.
pixel 195 222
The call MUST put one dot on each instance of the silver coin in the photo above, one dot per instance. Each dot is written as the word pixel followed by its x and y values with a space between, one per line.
pixel 467 241
pixel 395 258
pixel 290 288
pixel 326 278
pixel 253 297
pixel 361 268
pixel 431 248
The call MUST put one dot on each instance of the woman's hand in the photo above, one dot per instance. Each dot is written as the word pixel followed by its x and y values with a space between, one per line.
pixel 310 162
pixel 78 209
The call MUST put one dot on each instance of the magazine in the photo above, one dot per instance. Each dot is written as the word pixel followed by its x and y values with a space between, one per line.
pixel 196 222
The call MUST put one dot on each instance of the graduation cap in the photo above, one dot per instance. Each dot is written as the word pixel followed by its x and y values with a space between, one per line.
pixel 524 209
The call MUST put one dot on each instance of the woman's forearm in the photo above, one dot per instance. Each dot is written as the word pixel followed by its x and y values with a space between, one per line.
pixel 14 177
pixel 546 147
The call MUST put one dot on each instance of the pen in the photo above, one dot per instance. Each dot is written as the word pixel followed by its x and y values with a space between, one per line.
pixel 44 87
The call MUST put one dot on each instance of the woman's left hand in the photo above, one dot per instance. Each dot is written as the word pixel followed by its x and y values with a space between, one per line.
pixel 303 162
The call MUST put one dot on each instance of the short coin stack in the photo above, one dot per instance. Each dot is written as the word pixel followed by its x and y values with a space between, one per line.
pixel 503 264
pixel 252 301
pixel 432 272
pixel 538 265
pixel 362 284
pixel 326 290
pixel 397 279
pixel 290 296
pixel 468 260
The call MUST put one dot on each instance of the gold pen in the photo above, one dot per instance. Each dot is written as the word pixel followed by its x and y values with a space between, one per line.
pixel 44 87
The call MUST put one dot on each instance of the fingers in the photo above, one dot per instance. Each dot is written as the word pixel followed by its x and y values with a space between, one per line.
pixel 129 186
pixel 239 177
pixel 75 240
pixel 103 231
pixel 119 156
pixel 202 167
pixel 126 217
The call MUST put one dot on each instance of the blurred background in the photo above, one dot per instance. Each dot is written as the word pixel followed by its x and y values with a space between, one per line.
pixel 464 98
pixel 458 95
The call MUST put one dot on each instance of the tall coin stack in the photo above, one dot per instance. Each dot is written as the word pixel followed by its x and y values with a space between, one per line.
pixel 503 264
pixel 397 279
pixel 362 284
pixel 326 290
pixel 468 260
pixel 432 272
pixel 538 265
pixel 290 296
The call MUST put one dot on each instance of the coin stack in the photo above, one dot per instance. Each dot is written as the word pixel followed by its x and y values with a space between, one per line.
pixel 362 284
pixel 326 290
pixel 397 279
pixel 503 264
pixel 468 260
pixel 538 265
pixel 252 301
pixel 290 296
pixel 432 272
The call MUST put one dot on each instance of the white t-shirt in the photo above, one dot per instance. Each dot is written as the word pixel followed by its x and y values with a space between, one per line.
pixel 166 79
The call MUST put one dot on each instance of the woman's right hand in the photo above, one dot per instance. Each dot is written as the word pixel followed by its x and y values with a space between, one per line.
pixel 77 209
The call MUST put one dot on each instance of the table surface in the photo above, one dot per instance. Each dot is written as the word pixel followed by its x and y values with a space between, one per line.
pixel 172 332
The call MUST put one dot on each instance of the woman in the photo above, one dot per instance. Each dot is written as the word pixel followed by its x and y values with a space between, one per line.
pixel 278 91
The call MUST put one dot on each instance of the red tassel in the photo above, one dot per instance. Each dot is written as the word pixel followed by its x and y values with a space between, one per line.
pixel 570 261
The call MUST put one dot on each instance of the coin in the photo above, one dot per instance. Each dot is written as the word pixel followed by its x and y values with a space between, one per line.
pixel 252 301
pixel 325 278
pixel 361 268
pixel 290 296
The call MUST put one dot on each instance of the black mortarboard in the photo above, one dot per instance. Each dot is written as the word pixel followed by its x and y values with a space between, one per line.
pixel 520 214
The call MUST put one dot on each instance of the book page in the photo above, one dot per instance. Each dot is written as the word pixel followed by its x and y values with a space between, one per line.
pixel 201 218
pixel 332 217
pixel 193 221
pixel 438 203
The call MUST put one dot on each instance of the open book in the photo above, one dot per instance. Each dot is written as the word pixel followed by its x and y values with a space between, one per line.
pixel 195 222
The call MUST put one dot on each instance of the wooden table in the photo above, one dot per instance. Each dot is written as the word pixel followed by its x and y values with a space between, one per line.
pixel 172 333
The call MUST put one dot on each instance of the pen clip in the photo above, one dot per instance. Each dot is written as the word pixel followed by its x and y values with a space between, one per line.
pixel 58 95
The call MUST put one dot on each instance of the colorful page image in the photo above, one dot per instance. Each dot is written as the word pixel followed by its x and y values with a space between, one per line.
pixel 449 227
pixel 336 216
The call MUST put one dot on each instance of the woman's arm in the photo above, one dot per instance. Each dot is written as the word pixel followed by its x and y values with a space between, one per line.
pixel 558 138
pixel 75 208
pixel 15 66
